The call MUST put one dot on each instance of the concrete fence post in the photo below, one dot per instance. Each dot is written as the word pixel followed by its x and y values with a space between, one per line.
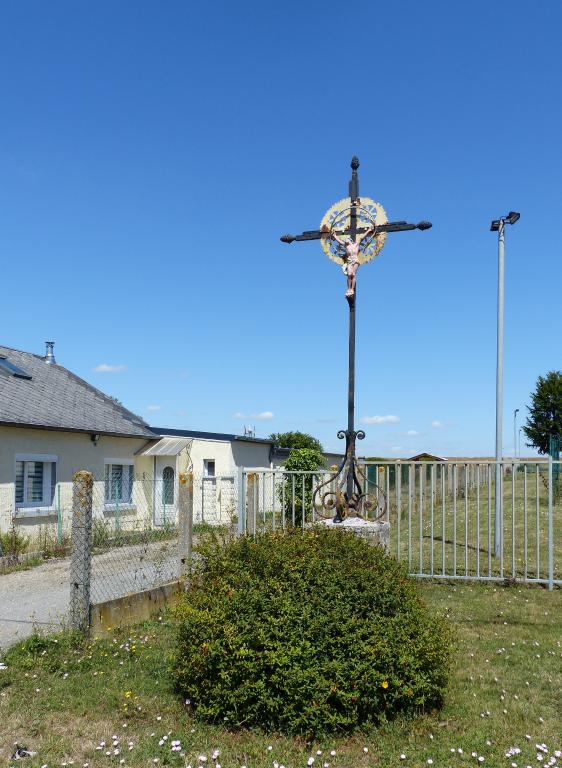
pixel 185 523
pixel 81 557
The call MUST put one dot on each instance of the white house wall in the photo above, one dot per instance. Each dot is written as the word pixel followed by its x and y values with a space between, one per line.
pixel 214 499
pixel 74 451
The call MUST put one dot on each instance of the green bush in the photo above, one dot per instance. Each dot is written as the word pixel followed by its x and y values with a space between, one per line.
pixel 297 490
pixel 306 633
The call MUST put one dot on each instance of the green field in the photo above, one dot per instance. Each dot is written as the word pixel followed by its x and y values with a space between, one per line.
pixel 63 697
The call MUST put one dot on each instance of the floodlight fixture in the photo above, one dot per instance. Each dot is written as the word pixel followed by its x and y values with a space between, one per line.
pixel 511 218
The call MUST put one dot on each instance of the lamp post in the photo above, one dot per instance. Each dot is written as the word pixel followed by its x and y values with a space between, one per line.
pixel 519 441
pixel 498 225
pixel 515 412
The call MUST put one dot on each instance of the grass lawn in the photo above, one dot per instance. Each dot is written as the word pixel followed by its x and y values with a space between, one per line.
pixel 110 703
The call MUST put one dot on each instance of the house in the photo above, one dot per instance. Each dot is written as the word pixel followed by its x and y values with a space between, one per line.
pixel 214 458
pixel 426 457
pixel 53 423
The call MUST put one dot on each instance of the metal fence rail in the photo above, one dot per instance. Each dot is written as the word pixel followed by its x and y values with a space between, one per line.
pixel 441 515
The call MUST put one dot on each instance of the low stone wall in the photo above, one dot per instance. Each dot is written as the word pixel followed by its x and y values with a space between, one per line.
pixel 377 533
pixel 132 608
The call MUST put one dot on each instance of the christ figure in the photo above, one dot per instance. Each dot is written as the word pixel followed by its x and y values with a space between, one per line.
pixel 351 258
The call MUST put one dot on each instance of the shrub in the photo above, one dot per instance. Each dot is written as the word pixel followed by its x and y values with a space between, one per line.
pixel 296 492
pixel 306 633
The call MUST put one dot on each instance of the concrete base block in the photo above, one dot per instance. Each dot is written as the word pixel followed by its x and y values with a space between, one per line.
pixel 132 608
pixel 375 533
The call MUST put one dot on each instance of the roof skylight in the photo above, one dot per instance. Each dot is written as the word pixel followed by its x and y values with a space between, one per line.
pixel 9 367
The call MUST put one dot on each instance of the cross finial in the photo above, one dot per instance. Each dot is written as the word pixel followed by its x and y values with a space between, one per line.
pixel 354 185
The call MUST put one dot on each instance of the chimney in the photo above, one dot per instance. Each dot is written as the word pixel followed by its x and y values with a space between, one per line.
pixel 49 354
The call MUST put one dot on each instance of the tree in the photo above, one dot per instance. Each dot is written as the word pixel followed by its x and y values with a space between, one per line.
pixel 545 412
pixel 296 440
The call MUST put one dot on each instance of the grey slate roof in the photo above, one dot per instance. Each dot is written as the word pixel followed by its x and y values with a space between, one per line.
pixel 54 398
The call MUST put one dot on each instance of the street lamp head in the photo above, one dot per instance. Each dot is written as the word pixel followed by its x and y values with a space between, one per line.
pixel 511 218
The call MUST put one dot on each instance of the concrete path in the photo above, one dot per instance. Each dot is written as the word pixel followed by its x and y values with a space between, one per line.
pixel 38 598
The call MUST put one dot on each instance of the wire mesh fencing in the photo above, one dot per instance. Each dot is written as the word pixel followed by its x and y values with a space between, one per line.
pixel 136 541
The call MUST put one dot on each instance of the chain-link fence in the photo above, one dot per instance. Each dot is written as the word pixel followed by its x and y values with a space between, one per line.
pixel 136 526
pixel 134 539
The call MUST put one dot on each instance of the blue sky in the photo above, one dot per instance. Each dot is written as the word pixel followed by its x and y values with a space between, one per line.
pixel 151 154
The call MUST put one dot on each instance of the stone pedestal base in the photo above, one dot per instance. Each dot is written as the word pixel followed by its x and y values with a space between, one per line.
pixel 375 533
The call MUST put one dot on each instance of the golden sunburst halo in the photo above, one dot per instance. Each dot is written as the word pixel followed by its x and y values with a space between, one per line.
pixel 338 218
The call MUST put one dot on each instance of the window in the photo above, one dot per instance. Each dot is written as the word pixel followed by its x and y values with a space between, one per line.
pixel 168 486
pixel 209 467
pixel 118 483
pixel 12 369
pixel 35 480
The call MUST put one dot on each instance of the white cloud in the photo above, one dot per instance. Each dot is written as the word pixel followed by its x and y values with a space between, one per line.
pixel 412 433
pixel 262 416
pixel 153 407
pixel 106 368
pixel 390 419
pixel 437 424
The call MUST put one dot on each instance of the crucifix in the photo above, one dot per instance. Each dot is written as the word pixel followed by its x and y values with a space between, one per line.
pixel 352 232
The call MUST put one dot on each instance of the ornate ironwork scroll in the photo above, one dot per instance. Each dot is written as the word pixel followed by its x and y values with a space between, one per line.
pixel 332 499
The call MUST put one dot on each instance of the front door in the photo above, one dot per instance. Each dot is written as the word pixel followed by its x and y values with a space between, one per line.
pixel 166 491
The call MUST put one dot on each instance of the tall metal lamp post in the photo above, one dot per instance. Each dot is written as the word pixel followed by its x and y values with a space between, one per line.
pixel 498 225
pixel 352 232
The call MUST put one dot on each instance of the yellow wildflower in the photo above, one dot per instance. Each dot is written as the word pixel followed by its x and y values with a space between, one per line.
pixel 385 684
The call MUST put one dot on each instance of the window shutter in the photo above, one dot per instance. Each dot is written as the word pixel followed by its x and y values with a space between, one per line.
pixel 19 482
pixel 35 475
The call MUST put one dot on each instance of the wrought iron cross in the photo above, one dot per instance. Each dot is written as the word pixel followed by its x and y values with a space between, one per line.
pixel 338 234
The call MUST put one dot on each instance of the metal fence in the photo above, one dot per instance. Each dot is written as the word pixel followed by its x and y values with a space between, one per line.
pixel 139 532
pixel 441 515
